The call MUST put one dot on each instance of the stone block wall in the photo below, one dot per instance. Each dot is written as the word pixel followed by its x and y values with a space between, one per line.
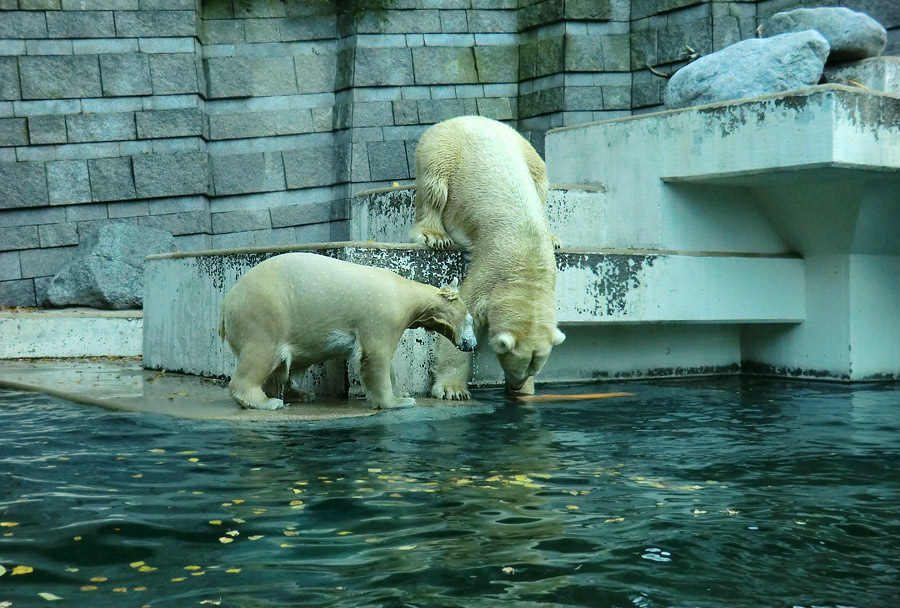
pixel 237 123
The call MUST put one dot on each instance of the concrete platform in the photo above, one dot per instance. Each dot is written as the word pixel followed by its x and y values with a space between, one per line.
pixel 122 384
pixel 70 332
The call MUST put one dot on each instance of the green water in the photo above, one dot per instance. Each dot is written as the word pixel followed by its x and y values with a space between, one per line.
pixel 704 493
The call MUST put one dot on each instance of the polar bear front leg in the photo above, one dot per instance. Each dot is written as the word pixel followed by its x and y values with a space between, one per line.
pixel 376 375
pixel 452 369
pixel 431 197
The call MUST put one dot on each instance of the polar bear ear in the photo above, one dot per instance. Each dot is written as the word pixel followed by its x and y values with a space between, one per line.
pixel 449 292
pixel 558 337
pixel 503 342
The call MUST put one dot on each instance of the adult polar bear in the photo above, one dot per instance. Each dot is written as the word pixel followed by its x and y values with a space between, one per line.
pixel 480 185
pixel 297 309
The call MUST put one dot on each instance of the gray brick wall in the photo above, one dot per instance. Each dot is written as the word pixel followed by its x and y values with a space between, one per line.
pixel 250 122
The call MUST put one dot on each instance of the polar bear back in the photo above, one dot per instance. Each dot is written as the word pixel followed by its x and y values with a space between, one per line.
pixel 481 160
pixel 304 298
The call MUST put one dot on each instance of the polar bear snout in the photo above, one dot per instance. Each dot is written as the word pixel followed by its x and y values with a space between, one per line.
pixel 467 341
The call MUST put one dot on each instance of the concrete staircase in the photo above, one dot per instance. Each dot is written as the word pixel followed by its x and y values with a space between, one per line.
pixel 680 249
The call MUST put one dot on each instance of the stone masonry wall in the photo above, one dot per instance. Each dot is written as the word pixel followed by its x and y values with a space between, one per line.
pixel 252 122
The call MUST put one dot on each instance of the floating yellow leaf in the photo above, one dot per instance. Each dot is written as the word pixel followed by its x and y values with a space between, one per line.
pixel 296 491
pixel 141 588
pixel 699 512
pixel 99 579
pixel 76 538
pixel 291 533
pixel 225 539
pixel 233 533
pixel 192 567
pixel 233 570
pixel 120 590
pixel 138 476
pixel 158 451
pixel 216 522
pixel 178 579
pixel 533 485
pixel 732 512
pixel 146 569
pixel 370 471
pixel 8 524
pixel 572 507
pixel 186 452
pixel 285 546
pixel 193 460
pixel 509 570
pixel 49 596
pixel 406 547
pixel 136 564
pixel 227 504
pixel 238 520
pixel 296 502
pixel 463 482
pixel 22 570
pixel 89 588
pixel 238 501
pixel 800 523
pixel 2 570
pixel 201 573
pixel 344 533
pixel 255 537
pixel 494 478
pixel 613 520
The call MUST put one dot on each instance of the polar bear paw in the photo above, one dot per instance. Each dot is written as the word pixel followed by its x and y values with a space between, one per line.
pixel 399 402
pixel 268 404
pixel 432 237
pixel 450 390
pixel 555 240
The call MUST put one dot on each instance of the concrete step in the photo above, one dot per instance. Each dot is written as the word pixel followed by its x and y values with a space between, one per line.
pixel 70 332
pixel 606 301
pixel 577 215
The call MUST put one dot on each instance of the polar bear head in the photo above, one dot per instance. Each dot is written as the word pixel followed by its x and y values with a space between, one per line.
pixel 523 352
pixel 448 316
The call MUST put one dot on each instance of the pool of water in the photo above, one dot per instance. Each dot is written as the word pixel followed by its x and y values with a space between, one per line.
pixel 724 492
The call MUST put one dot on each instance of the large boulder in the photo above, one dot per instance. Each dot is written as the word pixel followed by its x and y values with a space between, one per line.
pixel 754 67
pixel 852 35
pixel 108 270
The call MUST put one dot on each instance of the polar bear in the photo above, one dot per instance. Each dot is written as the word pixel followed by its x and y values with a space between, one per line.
pixel 480 185
pixel 297 309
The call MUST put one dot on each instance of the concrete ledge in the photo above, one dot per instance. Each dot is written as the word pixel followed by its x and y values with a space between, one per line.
pixel 596 289
pixel 70 332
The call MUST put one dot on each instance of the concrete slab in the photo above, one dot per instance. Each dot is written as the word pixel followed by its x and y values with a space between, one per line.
pixel 70 332
pixel 122 384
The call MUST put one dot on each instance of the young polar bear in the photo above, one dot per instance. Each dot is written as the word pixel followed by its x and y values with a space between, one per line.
pixel 480 185
pixel 297 309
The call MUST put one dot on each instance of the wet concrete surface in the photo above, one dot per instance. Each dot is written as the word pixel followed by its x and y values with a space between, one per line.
pixel 122 384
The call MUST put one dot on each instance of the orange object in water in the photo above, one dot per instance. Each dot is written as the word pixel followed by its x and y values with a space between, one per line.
pixel 572 397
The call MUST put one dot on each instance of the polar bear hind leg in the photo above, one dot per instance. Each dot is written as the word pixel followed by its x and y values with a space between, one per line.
pixel 255 365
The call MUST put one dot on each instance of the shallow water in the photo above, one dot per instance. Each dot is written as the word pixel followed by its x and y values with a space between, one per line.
pixel 722 492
